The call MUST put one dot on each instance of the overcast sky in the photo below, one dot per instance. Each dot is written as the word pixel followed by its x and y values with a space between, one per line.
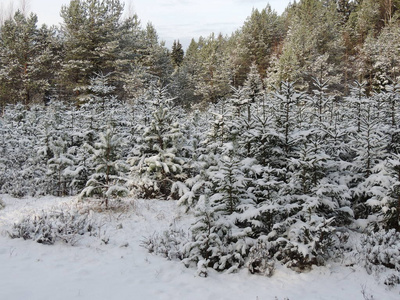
pixel 173 19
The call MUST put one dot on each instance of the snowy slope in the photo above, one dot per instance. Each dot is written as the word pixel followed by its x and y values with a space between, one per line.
pixel 122 269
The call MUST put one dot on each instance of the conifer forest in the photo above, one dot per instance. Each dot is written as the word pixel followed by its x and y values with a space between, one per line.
pixel 281 139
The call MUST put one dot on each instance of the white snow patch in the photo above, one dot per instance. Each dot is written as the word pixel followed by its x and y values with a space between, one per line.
pixel 124 270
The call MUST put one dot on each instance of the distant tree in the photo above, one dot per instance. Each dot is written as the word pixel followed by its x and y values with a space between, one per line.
pixel 177 54
pixel 259 38
pixel 312 34
pixel 156 58
pixel 27 59
pixel 214 74
pixel 96 41
pixel 379 57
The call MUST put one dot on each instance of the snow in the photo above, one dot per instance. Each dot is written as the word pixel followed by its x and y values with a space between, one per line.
pixel 122 269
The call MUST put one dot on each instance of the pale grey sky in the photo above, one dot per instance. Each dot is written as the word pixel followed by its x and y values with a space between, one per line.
pixel 173 19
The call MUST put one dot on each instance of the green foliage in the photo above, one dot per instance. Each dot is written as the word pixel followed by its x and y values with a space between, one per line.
pixel 336 41
pixel 91 29
pixel 177 54
pixel 28 59
pixel 260 38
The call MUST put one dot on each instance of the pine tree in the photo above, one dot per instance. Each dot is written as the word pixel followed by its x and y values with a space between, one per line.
pixel 230 186
pixel 212 245
pixel 313 25
pixel 214 74
pixel 287 102
pixel 156 160
pixel 380 55
pixel 27 59
pixel 108 177
pixel 156 59
pixel 259 39
pixel 177 54
pixel 94 37
pixel 57 165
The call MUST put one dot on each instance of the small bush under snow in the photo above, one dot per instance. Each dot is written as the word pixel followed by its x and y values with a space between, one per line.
pixel 380 251
pixel 48 227
pixel 167 244
pixel 260 260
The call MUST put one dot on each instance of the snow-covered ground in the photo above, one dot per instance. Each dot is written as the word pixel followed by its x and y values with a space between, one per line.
pixel 122 269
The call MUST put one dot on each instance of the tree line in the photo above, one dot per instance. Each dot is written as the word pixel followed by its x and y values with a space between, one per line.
pixel 338 41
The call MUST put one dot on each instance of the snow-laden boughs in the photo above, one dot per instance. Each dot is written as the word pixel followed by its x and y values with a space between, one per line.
pixel 383 193
pixel 156 162
pixel 57 165
pixel 108 175
pixel 216 243
pixel 229 186
pixel 379 251
pixel 369 144
pixel 287 113
pixel 382 248
pixel 271 178
pixel 304 243
pixel 260 260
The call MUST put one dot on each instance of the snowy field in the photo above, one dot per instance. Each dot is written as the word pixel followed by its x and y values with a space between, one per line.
pixel 113 265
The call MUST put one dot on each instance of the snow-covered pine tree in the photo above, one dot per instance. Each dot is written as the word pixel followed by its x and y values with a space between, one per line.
pixel 356 102
pixel 197 160
pixel 391 96
pixel 108 176
pixel 217 241
pixel 287 115
pixel 52 146
pixel 390 203
pixel 320 103
pixel 212 135
pixel 157 162
pixel 25 166
pixel 3 153
pixel 370 148
pixel 229 184
pixel 246 100
pixel 57 165
pixel 382 194
pixel 211 245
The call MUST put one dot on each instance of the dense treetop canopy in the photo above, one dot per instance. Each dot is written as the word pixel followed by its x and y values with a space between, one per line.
pixel 336 40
